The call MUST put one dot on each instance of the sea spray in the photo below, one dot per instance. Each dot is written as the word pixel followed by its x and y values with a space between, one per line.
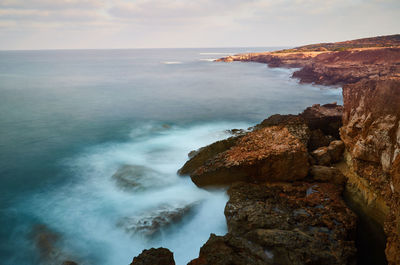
pixel 89 211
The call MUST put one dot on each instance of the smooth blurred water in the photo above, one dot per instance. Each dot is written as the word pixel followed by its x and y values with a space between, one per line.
pixel 69 119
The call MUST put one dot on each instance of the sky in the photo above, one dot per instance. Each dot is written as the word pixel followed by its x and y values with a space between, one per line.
pixel 101 24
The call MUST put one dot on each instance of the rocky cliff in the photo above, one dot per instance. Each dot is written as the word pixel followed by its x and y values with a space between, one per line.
pixel 371 133
pixel 288 175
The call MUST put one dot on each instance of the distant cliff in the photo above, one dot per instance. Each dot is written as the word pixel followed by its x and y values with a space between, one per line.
pixel 335 66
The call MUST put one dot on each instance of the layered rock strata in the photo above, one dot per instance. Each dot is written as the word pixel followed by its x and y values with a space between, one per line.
pixel 371 133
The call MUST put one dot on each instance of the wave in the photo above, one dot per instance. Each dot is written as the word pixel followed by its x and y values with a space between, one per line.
pixel 100 213
pixel 172 62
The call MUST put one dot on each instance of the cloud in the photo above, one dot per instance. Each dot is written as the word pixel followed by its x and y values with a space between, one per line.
pixel 169 23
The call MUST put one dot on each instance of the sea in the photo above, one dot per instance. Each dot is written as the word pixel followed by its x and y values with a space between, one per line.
pixel 91 141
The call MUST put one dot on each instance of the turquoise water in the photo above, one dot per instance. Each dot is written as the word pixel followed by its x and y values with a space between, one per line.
pixel 70 119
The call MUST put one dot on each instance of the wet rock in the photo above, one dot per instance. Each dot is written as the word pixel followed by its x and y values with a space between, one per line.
pixel 327 174
pixel 151 223
pixel 153 256
pixel 284 223
pixel 137 177
pixel 267 154
pixel 231 250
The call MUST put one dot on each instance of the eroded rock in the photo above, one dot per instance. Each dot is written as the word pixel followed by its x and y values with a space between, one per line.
pixel 284 223
pixel 270 153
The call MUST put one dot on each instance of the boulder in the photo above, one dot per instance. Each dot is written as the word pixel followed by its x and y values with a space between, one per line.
pixel 267 154
pixel 327 155
pixel 154 256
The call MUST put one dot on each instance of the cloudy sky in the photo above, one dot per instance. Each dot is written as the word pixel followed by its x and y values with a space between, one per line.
pixel 71 24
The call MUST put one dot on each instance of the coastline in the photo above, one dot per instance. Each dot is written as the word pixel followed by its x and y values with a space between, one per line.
pixel 340 151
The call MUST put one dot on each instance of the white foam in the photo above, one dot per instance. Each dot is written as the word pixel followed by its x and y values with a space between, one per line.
pixel 209 60
pixel 172 62
pixel 86 211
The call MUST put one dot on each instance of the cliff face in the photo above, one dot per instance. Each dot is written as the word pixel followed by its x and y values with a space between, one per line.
pixel 331 68
pixel 371 133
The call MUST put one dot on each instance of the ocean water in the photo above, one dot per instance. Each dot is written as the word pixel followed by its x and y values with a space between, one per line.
pixel 90 142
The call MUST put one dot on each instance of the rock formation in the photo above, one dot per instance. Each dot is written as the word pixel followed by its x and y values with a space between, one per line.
pixel 347 62
pixel 371 133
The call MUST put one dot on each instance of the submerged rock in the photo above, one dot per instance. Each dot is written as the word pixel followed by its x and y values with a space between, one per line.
pixel 153 256
pixel 151 223
pixel 137 177
pixel 48 244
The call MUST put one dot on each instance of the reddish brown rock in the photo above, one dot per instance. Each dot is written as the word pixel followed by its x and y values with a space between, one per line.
pixel 371 133
pixel 199 157
pixel 153 256
pixel 327 155
pixel 268 154
pixel 327 174
pixel 335 63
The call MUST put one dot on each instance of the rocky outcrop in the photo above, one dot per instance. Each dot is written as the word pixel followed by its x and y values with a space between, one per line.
pixel 283 223
pixel 371 133
pixel 271 153
pixel 153 256
pixel 335 63
pixel 274 150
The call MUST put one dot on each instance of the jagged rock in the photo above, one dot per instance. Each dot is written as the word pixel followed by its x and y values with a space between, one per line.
pixel 327 174
pixel 151 223
pixel 199 157
pixel 137 178
pixel 284 223
pixel 271 153
pixel 153 256
pixel 371 134
pixel 231 250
